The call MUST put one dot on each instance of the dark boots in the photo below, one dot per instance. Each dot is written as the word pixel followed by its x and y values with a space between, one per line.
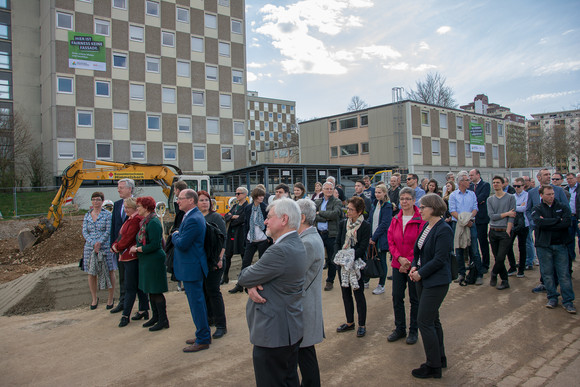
pixel 155 317
pixel 162 322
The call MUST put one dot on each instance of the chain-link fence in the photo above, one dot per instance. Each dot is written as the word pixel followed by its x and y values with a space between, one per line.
pixel 26 201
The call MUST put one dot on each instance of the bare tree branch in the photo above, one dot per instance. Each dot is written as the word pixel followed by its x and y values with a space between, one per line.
pixel 356 103
pixel 433 91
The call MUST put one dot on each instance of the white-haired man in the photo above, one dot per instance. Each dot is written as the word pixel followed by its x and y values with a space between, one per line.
pixel 274 310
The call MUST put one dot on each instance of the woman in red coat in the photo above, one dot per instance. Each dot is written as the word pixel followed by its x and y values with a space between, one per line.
pixel 403 233
pixel 126 240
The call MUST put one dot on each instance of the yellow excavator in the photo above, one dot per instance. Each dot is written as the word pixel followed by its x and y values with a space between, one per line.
pixel 75 174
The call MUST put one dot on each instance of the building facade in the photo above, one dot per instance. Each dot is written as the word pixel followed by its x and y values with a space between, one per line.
pixel 271 125
pixel 424 139
pixel 172 89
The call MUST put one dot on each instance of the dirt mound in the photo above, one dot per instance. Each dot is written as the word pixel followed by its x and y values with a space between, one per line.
pixel 63 247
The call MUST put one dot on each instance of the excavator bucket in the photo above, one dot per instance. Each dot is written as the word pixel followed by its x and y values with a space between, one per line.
pixel 26 239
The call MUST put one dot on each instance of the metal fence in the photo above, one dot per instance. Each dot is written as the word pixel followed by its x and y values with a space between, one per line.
pixel 26 201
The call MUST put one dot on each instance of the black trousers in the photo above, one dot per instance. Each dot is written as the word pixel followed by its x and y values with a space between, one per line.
pixel 400 282
pixel 132 288
pixel 522 238
pixel 483 243
pixel 430 300
pixel 500 244
pixel 329 246
pixel 361 302
pixel 251 249
pixel 276 366
pixel 308 364
pixel 121 266
pixel 213 298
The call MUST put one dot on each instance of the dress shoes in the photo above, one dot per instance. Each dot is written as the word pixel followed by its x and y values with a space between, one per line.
pixel 192 341
pixel 110 306
pixel 196 347
pixel 124 322
pixel 224 280
pixel 159 326
pixel 425 372
pixel 503 285
pixel 219 333
pixel 93 307
pixel 396 335
pixel 361 331
pixel 151 322
pixel 118 308
pixel 493 280
pixel 139 316
pixel 345 327
pixel 236 289
pixel 329 286
pixel 412 338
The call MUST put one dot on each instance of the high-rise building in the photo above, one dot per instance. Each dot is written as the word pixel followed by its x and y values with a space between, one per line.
pixel 168 84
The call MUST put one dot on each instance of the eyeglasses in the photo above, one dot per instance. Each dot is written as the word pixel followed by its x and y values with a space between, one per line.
pixel 181 198
pixel 96 199
pixel 410 178
pixel 517 185
pixel 405 199
pixel 556 179
pixel 239 193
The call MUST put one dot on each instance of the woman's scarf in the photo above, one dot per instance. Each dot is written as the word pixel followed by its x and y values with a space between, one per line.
pixel 351 229
pixel 141 235
pixel 259 221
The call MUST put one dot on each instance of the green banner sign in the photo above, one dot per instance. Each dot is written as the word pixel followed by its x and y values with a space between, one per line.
pixel 86 51
pixel 476 137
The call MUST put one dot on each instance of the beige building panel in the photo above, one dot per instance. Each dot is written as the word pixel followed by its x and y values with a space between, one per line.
pixel 238 89
pixel 225 61
pixel 136 105
pixel 425 130
pixel 119 14
pixel 240 140
pixel 82 72
pixel 168 52
pixel 211 33
pixel 153 21
pixel 61 34
pixel 153 77
pixel 237 38
pixel 121 134
pixel 183 137
pixel 228 165
pixel 85 133
pixel 345 137
pixel 84 7
pixel 197 110
pixel 212 85
pixel 199 165
pixel 443 133
pixel 104 102
pixel 460 135
pixel 436 161
pixel 226 113
pixel 224 10
pixel 197 57
pixel 213 139
pixel 62 164
pixel 154 135
pixel 183 27
pixel 417 159
pixel 453 161
pixel 65 99
pixel 117 73
pixel 136 47
pixel 170 108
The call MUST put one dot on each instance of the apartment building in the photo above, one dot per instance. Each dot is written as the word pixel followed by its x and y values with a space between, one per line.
pixel 271 125
pixel 169 85
pixel 425 139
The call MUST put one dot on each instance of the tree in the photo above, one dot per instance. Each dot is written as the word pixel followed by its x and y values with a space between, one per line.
pixel 433 91
pixel 356 103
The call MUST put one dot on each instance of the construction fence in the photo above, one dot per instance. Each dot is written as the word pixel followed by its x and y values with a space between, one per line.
pixel 18 202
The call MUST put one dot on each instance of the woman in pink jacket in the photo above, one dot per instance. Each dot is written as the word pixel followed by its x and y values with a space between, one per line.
pixel 403 233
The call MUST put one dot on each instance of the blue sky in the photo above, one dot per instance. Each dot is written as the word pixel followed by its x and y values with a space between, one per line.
pixel 524 55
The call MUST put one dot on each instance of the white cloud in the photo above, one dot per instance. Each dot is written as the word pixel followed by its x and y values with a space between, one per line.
pixel 568 32
pixel 251 76
pixel 424 66
pixel 443 30
pixel 382 52
pixel 423 46
pixel 254 65
pixel 558 68
pixel 543 41
pixel 539 97
pixel 404 66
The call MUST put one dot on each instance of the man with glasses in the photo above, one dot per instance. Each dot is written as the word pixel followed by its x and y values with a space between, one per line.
pixel 235 239
pixel 328 215
pixel 413 182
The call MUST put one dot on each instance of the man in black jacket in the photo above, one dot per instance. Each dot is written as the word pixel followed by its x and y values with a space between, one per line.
pixel 482 190
pixel 552 220
pixel 235 240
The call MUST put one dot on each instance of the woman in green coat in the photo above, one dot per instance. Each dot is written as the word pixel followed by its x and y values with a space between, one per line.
pixel 152 273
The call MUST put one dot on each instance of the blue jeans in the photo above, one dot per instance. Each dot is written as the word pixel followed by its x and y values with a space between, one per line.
pixel 555 259
pixel 530 249
pixel 474 250
pixel 574 232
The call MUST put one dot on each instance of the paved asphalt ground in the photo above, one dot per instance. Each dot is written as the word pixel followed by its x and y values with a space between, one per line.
pixel 503 338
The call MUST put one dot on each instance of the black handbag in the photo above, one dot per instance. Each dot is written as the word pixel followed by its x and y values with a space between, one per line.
pixel 373 268
pixel 81 263
pixel 454 267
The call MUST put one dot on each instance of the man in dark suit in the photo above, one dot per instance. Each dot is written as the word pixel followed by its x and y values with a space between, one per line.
pixel 482 190
pixel 274 310
pixel 125 189
pixel 190 266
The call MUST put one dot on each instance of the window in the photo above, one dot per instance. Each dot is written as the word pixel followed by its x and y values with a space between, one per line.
pixel 182 14
pixel 104 150
pixel 435 144
pixel 64 85
pixel 197 98
pixel 487 127
pixel 170 152
pixel 66 149
pixel 333 151
pixel 138 151
pixel 236 26
pixel 253 135
pixel 258 146
pixel 266 125
pixel 5 92
pixel 196 44
pixel 152 8
pixel 122 4
pixel 348 123
pixel 364 120
pixel 261 115
pixel 4 4
pixel 84 118
pixel 288 136
pixel 500 129
pixel 211 72
pixel 137 91
pixel 198 152
pixel 101 27
pixel 272 136
pixel 227 153
pixel 443 120
pixel 5 53
pixel 152 65
pixel 495 152
pixel 120 120
pixel 225 101
pixel 267 145
pixel 184 124
pixel 238 128
pixel 210 21
pixel 224 49
pixel 168 95
pixel 64 20
pixel 459 122
pixel 136 33
pixel 275 126
pixel 183 68
pixel 333 126
pixel 102 89
pixel 474 120
pixel 417 146
pixel 238 76
pixel 349 150
pixel 262 136
pixel 265 105
pixel 424 117
pixel 364 147
pixel 280 136
pixel 120 60
pixel 167 39
pixel 224 3
pixel 212 126
pixel 452 149
pixel 279 116
pixel 270 115
pixel 467 150
pixel 153 122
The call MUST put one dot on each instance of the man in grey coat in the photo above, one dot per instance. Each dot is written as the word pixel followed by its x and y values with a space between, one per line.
pixel 274 310
pixel 312 300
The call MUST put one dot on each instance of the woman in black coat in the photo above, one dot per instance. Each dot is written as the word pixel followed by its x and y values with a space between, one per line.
pixel 431 271
pixel 353 232
pixel 235 238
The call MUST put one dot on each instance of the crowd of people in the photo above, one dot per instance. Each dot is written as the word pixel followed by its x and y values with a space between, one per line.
pixel 419 231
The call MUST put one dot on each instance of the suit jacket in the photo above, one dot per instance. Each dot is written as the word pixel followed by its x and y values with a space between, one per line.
pixel 248 215
pixel 189 259
pixel 278 322
pixel 482 192
pixel 312 294
pixel 117 220
pixel 435 267
pixel 577 199
pixel 385 217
